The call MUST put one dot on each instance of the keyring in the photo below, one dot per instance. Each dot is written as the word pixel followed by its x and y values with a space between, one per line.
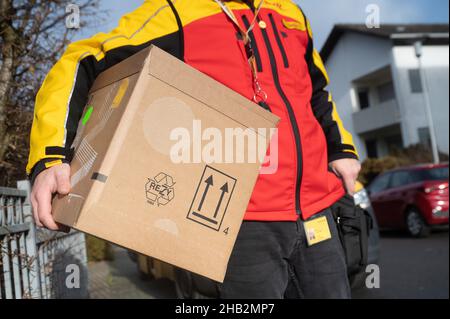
pixel 259 97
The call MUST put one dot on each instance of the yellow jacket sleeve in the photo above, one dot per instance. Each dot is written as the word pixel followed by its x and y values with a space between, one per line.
pixel 339 140
pixel 63 95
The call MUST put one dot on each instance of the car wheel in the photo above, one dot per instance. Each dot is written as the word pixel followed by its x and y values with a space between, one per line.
pixel 416 225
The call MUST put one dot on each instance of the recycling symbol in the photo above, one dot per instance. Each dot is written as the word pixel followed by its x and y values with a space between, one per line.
pixel 160 189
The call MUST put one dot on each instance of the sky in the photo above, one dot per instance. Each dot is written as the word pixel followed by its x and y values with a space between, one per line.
pixel 323 14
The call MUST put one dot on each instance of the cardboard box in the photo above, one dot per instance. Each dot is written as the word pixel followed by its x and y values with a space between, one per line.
pixel 128 186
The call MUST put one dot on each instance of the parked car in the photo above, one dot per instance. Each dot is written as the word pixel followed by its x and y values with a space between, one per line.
pixel 412 198
pixel 192 286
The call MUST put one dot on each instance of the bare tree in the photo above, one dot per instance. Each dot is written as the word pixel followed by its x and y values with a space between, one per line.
pixel 33 34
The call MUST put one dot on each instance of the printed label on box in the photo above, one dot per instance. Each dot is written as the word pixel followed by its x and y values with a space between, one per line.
pixel 160 190
pixel 211 199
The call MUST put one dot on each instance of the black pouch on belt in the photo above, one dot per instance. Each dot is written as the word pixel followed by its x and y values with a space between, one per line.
pixel 354 225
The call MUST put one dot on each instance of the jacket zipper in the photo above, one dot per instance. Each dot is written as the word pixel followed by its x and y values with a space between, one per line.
pixel 292 118
pixel 279 42
pixel 253 44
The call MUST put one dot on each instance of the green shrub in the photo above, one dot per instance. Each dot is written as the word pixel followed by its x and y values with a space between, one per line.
pixel 372 167
pixel 412 155
pixel 98 249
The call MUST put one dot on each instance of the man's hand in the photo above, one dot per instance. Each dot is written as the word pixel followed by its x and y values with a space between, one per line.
pixel 348 170
pixel 51 181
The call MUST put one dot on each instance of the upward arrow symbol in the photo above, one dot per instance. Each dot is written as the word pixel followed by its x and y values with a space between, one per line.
pixel 209 182
pixel 224 190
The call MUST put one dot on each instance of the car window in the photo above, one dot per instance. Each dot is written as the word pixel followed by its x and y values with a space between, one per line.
pixel 380 184
pixel 416 177
pixel 435 174
pixel 401 178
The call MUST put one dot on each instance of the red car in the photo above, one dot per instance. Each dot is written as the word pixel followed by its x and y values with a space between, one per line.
pixel 413 198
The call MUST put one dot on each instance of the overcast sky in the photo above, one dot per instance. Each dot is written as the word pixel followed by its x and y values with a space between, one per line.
pixel 323 14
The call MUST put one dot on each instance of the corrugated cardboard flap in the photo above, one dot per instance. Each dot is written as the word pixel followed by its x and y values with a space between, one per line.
pixel 121 71
pixel 224 100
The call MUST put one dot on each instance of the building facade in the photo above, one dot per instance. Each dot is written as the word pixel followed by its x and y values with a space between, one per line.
pixel 378 84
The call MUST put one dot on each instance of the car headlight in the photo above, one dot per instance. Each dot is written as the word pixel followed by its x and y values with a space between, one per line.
pixel 362 199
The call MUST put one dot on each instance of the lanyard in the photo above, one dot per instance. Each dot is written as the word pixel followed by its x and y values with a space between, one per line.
pixel 260 96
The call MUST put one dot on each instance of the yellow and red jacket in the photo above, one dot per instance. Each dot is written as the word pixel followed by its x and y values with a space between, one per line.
pixel 290 70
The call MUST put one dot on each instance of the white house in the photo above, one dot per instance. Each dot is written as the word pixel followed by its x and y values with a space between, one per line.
pixel 378 86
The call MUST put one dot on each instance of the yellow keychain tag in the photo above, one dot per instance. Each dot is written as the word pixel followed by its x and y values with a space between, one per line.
pixel 317 231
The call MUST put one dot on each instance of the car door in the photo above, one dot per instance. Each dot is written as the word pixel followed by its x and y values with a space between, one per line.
pixel 398 194
pixel 379 192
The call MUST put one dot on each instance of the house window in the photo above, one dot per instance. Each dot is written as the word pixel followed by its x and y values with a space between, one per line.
pixel 386 92
pixel 363 97
pixel 415 81
pixel 372 150
pixel 424 136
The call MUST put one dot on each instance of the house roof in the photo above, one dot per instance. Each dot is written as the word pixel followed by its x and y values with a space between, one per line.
pixel 385 31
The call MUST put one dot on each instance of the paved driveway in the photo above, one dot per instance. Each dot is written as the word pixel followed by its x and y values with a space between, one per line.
pixel 410 268
pixel 120 279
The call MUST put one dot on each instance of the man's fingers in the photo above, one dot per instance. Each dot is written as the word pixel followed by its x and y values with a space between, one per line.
pixel 34 206
pixel 349 178
pixel 347 170
pixel 349 183
pixel 44 203
pixel 336 172
pixel 63 181
pixel 48 182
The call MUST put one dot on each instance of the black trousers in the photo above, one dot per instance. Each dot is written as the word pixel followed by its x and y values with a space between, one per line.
pixel 271 260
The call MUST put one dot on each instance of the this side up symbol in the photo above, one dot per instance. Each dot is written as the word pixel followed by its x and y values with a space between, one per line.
pixel 210 202
pixel 224 189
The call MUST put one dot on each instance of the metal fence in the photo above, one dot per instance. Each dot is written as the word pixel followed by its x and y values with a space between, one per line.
pixel 34 262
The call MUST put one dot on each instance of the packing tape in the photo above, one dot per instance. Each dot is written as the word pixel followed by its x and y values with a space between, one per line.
pixel 99 177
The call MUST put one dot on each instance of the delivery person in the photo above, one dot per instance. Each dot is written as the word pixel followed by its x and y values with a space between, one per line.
pixel 288 245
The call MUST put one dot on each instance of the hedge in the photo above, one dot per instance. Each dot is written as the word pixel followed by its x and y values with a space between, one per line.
pixel 413 155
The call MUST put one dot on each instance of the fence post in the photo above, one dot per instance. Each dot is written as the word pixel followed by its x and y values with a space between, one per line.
pixel 30 242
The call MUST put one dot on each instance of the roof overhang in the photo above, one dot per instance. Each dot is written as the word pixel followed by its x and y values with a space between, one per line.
pixel 438 35
pixel 425 38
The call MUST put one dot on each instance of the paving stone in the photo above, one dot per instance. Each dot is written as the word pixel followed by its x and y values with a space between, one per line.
pixel 120 279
